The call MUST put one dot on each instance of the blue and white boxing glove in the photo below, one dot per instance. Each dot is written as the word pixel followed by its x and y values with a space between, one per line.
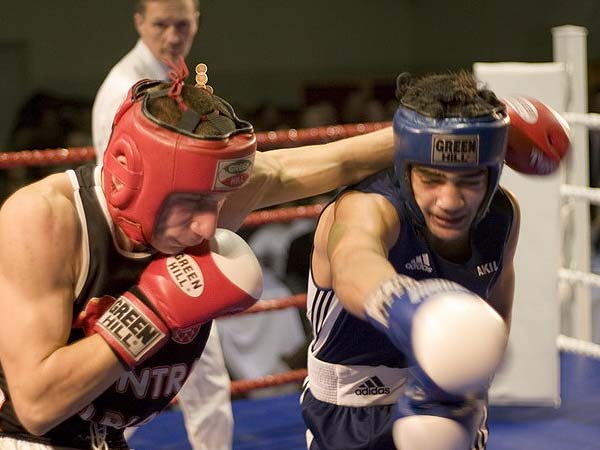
pixel 455 340
pixel 425 421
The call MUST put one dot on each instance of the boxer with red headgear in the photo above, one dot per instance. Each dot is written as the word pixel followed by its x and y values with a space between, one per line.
pixel 111 310
pixel 166 30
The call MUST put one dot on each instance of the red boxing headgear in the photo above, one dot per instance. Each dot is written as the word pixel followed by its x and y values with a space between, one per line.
pixel 162 159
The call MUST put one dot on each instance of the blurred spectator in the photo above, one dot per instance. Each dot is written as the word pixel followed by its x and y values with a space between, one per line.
pixel 256 345
pixel 319 115
pixel 361 106
pixel 50 121
pixel 269 117
pixel 45 121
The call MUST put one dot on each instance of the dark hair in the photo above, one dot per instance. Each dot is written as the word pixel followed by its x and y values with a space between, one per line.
pixel 216 117
pixel 139 6
pixel 453 94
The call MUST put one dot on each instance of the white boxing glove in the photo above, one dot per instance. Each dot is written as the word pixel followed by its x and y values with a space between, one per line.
pixel 426 420
pixel 430 433
pixel 452 336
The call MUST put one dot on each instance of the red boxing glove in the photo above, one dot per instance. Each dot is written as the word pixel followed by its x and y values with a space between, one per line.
pixel 538 137
pixel 177 294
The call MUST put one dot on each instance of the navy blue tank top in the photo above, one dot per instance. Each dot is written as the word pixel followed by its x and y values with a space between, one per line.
pixel 348 340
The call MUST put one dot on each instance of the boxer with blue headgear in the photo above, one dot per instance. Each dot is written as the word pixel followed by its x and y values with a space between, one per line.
pixel 412 278
pixel 449 142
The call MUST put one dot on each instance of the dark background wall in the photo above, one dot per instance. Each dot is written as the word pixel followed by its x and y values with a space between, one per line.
pixel 268 51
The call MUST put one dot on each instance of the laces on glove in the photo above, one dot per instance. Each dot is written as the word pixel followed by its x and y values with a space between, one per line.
pixel 98 436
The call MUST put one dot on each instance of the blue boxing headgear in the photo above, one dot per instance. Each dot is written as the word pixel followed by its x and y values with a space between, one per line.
pixel 448 143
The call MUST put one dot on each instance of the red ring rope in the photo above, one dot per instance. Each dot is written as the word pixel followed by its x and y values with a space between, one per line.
pixel 47 157
pixel 293 376
pixel 294 301
pixel 282 215
pixel 266 141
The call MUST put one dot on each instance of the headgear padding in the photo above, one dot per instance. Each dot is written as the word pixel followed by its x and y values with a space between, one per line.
pixel 160 159
pixel 448 143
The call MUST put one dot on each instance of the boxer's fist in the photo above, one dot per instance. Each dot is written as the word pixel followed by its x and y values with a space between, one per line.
pixel 93 310
pixel 538 137
pixel 177 294
pixel 454 339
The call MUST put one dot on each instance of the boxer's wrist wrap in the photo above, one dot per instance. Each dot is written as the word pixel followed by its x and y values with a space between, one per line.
pixel 132 329
pixel 379 302
pixel 392 306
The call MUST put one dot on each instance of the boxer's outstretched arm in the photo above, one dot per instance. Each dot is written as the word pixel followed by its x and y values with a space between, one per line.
pixel 285 175
pixel 48 380
pixel 351 247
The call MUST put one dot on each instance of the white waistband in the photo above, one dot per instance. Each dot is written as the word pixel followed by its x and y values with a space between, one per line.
pixel 9 443
pixel 355 386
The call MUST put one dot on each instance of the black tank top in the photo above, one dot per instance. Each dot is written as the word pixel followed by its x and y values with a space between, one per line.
pixel 139 395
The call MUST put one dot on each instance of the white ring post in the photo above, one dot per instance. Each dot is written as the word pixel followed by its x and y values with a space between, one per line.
pixel 530 375
pixel 570 48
